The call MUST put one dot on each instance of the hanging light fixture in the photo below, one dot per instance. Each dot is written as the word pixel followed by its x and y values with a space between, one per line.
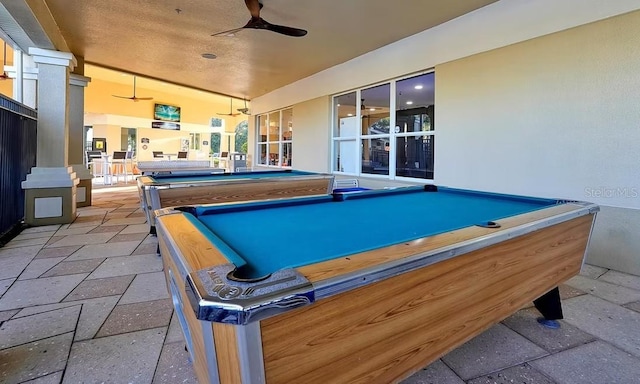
pixel 4 75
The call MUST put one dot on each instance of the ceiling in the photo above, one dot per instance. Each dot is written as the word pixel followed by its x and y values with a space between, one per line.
pixel 164 39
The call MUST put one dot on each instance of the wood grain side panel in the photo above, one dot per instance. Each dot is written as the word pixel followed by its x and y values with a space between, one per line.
pixel 227 351
pixel 341 266
pixel 236 192
pixel 200 363
pixel 195 249
pixel 383 332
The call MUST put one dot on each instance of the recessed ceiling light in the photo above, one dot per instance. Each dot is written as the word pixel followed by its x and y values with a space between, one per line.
pixel 409 102
pixel 338 104
pixel 209 56
pixel 349 114
pixel 372 109
pixel 418 86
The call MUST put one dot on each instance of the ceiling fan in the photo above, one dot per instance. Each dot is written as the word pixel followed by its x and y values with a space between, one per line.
pixel 258 22
pixel 244 110
pixel 230 111
pixel 134 98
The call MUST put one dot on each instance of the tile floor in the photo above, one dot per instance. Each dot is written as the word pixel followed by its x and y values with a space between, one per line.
pixel 87 303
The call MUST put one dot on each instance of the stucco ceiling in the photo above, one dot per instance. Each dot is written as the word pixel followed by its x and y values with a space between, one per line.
pixel 164 39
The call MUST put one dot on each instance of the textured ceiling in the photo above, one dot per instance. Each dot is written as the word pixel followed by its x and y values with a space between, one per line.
pixel 150 38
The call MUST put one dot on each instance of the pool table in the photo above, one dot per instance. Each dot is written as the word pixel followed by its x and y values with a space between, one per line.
pixel 204 187
pixel 364 287
pixel 166 167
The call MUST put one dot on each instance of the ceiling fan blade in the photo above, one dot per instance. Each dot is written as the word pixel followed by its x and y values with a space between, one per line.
pixel 134 98
pixel 229 32
pixel 261 23
pixel 289 31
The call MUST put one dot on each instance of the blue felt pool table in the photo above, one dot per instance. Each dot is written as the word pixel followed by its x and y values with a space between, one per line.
pixel 361 287
pixel 203 187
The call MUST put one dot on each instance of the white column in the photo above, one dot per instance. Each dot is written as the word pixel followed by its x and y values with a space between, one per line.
pixel 50 188
pixel 24 74
pixel 77 139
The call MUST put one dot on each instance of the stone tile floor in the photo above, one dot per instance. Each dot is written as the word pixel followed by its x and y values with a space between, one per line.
pixel 87 303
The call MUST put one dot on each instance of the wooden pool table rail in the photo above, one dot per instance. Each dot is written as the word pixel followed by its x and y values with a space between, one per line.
pixel 154 196
pixel 322 273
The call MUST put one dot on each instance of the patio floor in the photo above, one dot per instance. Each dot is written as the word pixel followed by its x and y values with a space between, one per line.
pixel 87 303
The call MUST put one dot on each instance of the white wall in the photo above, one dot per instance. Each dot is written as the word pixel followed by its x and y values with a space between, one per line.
pixel 557 116
pixel 311 135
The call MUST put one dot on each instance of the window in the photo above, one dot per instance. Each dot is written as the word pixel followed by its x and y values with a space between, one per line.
pixel 415 141
pixel 364 141
pixel 128 139
pixel 274 132
pixel 88 138
pixel 217 122
pixel 215 143
pixel 194 141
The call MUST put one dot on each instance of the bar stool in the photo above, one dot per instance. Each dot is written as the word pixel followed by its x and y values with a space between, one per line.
pixel 119 165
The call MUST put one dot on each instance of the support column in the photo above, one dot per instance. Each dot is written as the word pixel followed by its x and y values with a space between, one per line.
pixel 50 188
pixel 24 74
pixel 76 139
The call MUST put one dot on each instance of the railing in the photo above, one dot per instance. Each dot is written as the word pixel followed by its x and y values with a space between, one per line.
pixel 18 125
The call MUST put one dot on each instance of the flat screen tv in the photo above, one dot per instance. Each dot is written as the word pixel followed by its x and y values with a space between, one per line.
pixel 166 112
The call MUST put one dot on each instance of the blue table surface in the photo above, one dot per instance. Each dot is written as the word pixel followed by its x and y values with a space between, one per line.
pixel 227 176
pixel 263 237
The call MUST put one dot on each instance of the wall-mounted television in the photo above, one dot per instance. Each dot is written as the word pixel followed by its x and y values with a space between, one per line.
pixel 166 112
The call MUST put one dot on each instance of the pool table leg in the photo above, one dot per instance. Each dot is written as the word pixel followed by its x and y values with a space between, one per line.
pixel 549 305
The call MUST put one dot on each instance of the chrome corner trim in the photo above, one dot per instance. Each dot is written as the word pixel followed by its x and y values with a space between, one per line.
pixel 214 297
pixel 339 284
pixel 593 224
pixel 210 352
pixel 249 340
pixel 178 305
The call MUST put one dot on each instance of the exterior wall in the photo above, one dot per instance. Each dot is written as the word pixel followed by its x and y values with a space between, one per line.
pixel 311 135
pixel 556 116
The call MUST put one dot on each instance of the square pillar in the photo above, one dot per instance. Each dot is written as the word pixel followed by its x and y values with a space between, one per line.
pixel 76 139
pixel 50 188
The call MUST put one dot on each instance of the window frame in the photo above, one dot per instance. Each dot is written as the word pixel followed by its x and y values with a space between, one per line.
pixel 280 141
pixel 392 135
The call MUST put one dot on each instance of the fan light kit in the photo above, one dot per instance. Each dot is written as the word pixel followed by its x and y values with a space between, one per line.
pixel 244 110
pixel 257 22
